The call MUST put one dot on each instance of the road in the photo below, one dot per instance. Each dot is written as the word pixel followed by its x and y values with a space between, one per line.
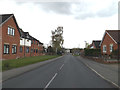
pixel 66 72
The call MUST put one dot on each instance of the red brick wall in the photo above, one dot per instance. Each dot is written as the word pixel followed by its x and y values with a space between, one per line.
pixel 21 54
pixel 27 54
pixel 15 40
pixel 35 46
pixel 107 41
pixel 10 39
pixel 94 46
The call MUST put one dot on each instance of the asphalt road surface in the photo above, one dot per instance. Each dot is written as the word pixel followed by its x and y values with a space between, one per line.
pixel 66 72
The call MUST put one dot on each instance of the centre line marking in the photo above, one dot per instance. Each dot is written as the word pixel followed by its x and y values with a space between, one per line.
pixel 61 67
pixel 50 81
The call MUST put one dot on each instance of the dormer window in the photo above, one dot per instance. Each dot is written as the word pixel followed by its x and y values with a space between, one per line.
pixel 11 31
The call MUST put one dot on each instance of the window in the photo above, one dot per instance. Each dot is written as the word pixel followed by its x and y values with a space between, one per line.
pixel 6 49
pixel 31 50
pixel 27 49
pixel 111 47
pixel 8 30
pixel 21 48
pixel 32 42
pixel 11 31
pixel 36 50
pixel 14 49
pixel 104 48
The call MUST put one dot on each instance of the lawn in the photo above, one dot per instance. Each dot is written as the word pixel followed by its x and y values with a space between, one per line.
pixel 15 63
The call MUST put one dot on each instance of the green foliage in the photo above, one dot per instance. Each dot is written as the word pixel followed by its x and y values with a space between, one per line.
pixel 50 50
pixel 92 52
pixel 114 52
pixel 57 40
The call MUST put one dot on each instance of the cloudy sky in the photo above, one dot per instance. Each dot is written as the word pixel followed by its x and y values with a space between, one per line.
pixel 82 20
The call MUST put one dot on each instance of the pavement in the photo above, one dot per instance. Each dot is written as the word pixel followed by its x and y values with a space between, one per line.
pixel 65 72
pixel 109 72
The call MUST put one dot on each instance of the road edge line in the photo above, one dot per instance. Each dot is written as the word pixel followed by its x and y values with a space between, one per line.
pixel 102 76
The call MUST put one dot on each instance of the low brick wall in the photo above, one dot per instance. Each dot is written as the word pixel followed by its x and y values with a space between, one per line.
pixel 101 60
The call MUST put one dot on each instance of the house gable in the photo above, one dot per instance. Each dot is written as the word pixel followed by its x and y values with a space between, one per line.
pixel 106 42
pixel 109 36
pixel 6 17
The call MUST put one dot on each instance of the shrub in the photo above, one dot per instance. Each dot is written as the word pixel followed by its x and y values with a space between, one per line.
pixel 92 52
pixel 114 54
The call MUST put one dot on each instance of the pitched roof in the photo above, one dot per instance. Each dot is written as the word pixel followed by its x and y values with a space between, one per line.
pixel 97 43
pixel 4 17
pixel 114 34
pixel 26 35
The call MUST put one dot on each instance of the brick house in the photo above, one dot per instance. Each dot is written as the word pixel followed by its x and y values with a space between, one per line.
pixel 25 44
pixel 15 42
pixel 110 41
pixel 36 47
pixel 95 44
pixel 10 37
pixel 29 46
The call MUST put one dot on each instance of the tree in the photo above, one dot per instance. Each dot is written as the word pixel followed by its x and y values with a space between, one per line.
pixel 57 39
pixel 50 50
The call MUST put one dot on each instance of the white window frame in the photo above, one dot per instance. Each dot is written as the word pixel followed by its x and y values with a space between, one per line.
pixel 104 48
pixel 111 47
pixel 14 49
pixel 8 30
pixel 11 31
pixel 6 49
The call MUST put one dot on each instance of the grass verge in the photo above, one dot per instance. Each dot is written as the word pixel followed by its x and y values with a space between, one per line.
pixel 15 63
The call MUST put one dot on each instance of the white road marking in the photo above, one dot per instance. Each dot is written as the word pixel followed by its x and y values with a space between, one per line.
pixel 50 81
pixel 61 67
pixel 102 76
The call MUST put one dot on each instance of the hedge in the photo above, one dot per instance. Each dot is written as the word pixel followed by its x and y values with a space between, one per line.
pixel 92 52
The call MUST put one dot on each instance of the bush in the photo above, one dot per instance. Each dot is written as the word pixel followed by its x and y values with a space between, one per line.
pixel 92 52
pixel 114 54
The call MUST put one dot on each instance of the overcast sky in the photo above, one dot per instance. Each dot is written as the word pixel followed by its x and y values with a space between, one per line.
pixel 83 20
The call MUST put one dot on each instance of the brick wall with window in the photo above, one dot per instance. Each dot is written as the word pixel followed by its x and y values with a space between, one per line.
pixel 10 40
pixel 108 45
